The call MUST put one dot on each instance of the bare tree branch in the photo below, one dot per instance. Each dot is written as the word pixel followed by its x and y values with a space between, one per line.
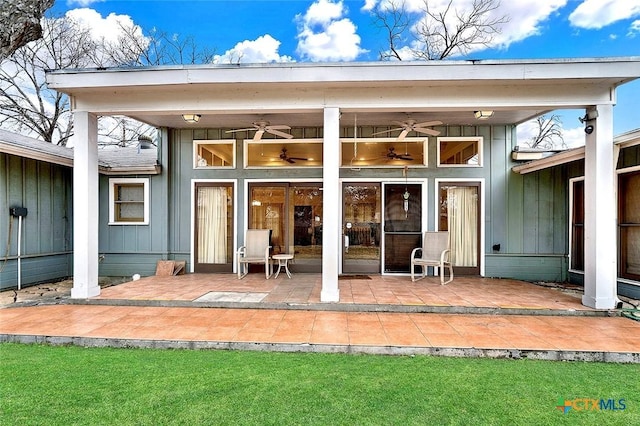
pixel 549 135
pixel 436 34
pixel 27 106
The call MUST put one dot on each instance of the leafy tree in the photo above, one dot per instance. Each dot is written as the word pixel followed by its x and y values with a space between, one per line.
pixel 436 33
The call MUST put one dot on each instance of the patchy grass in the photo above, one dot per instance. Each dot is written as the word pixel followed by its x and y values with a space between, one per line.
pixel 98 386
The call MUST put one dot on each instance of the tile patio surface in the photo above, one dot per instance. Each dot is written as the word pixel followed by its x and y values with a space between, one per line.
pixel 220 312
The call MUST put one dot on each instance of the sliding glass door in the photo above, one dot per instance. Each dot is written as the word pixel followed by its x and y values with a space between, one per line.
pixel 293 213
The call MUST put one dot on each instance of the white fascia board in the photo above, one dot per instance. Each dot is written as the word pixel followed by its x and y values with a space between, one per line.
pixel 554 160
pixel 628 139
pixel 620 70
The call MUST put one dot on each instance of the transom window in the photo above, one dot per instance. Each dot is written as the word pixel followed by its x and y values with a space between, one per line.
pixel 276 153
pixel 214 154
pixel 129 201
pixel 460 152
pixel 384 152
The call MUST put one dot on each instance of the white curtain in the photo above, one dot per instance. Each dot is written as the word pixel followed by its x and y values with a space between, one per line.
pixel 462 213
pixel 212 225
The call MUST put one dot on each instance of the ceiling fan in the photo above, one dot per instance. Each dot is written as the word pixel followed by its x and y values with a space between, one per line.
pixel 411 126
pixel 291 160
pixel 393 155
pixel 263 126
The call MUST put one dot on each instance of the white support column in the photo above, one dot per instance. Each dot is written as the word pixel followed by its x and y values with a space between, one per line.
pixel 600 247
pixel 331 199
pixel 85 206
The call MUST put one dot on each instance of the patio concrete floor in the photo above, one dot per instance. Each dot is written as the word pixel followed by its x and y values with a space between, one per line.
pixel 471 316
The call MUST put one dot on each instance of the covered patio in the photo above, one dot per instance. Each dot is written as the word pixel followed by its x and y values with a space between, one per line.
pixel 359 293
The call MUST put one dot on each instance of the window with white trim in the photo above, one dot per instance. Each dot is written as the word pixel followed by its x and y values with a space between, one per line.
pixel 129 201
pixel 629 224
pixel 208 154
pixel 460 151
pixel 576 231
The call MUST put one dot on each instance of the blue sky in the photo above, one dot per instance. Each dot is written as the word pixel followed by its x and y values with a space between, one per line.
pixel 333 30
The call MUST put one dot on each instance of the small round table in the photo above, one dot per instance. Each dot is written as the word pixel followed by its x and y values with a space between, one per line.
pixel 283 260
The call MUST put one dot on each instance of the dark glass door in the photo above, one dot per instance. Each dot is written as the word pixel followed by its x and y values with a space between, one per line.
pixel 361 228
pixel 402 225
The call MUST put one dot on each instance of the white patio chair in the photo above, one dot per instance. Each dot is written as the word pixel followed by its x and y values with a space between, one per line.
pixel 255 250
pixel 434 252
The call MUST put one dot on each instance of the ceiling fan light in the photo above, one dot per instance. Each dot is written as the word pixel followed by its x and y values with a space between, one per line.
pixel 483 115
pixel 191 118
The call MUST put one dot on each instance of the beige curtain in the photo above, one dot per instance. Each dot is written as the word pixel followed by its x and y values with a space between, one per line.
pixel 212 225
pixel 462 206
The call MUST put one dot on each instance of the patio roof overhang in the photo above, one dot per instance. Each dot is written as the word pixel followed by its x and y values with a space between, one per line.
pixel 230 96
pixel 624 140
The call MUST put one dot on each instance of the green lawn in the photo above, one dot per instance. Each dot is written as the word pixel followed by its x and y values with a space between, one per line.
pixel 49 385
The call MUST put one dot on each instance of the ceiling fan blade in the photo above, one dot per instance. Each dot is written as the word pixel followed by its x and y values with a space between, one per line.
pixel 299 158
pixel 428 123
pixel 258 135
pixel 278 127
pixel 427 131
pixel 240 130
pixel 387 131
pixel 403 134
pixel 278 133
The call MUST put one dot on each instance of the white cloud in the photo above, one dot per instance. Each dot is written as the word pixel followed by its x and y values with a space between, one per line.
pixel 326 35
pixel 595 14
pixel 526 18
pixel 264 49
pixel 107 28
pixel 634 28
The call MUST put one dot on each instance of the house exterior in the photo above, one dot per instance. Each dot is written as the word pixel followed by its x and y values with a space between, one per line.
pixel 38 176
pixel 347 164
pixel 569 167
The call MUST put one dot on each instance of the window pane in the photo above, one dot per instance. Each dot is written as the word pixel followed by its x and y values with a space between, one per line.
pixel 630 238
pixel 267 212
pixel 209 154
pixel 130 212
pixel 368 153
pixel 129 202
pixel 463 152
pixel 629 212
pixel 577 227
pixel 284 154
pixel 307 223
pixel 630 198
pixel 130 192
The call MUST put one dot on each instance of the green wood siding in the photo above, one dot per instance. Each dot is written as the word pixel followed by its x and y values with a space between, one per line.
pixel 46 190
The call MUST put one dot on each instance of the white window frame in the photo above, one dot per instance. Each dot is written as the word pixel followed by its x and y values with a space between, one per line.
pixel 278 164
pixel 572 182
pixel 478 139
pixel 231 142
pixel 112 198
pixel 619 172
pixel 399 149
